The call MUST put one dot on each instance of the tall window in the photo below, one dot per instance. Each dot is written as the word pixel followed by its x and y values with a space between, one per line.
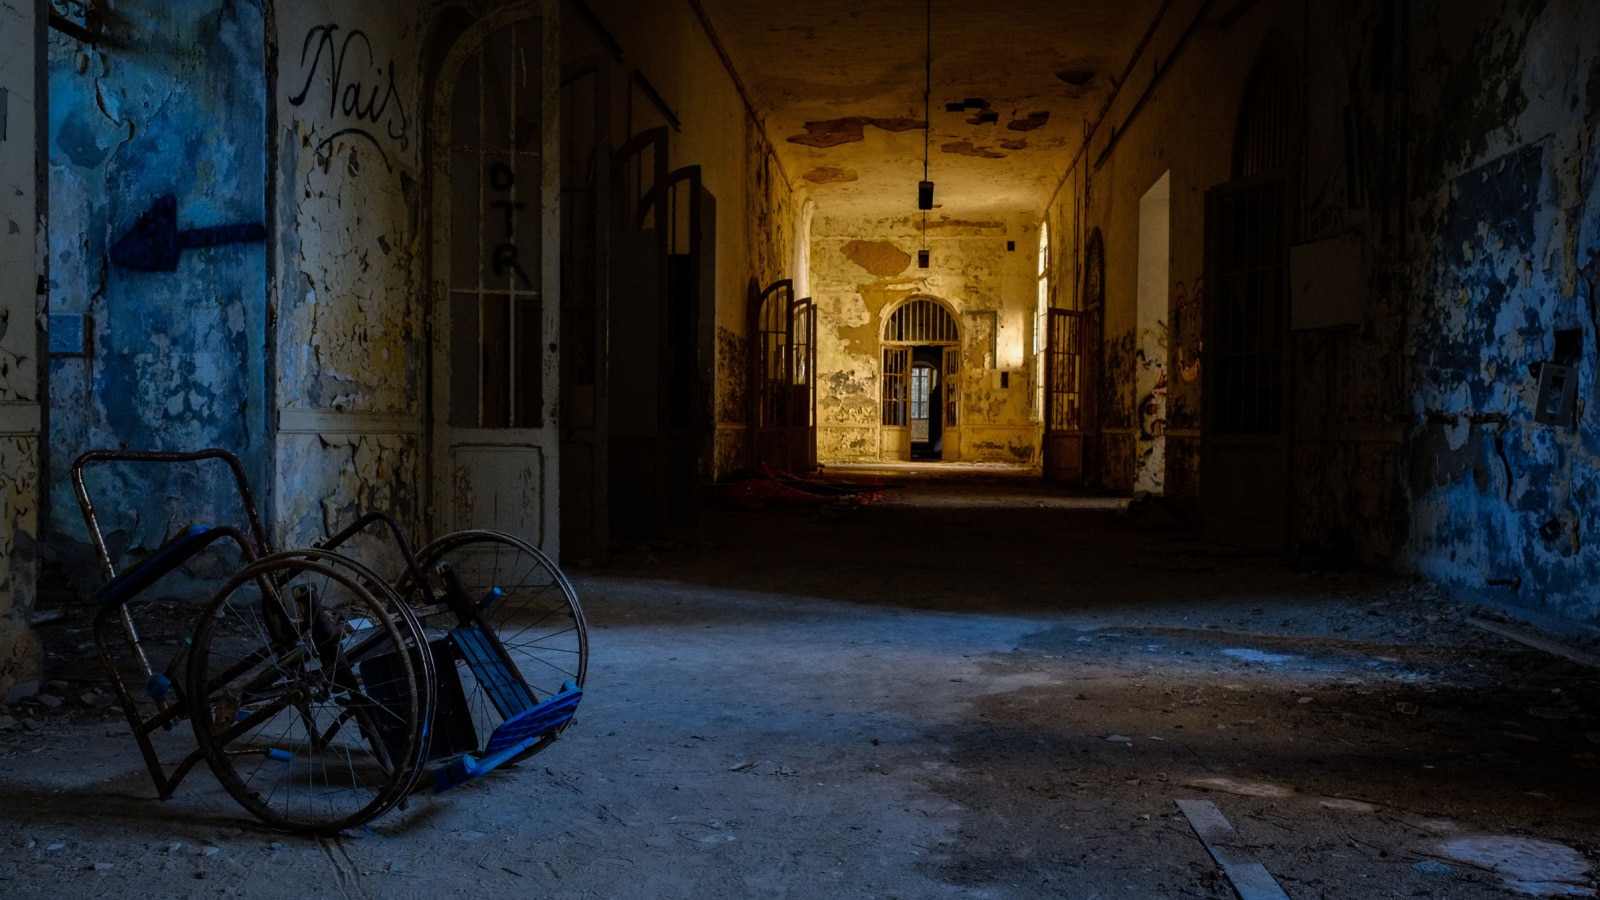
pixel 1041 322
pixel 495 307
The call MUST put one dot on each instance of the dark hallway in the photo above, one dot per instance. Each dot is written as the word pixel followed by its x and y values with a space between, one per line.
pixel 1046 448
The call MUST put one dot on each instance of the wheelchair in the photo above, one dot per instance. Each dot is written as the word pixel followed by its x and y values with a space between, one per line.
pixel 320 692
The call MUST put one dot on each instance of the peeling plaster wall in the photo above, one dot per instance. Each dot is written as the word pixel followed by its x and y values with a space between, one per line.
pixel 757 209
pixel 860 268
pixel 1187 129
pixel 22 262
pixel 1467 177
pixel 1505 253
pixel 173 360
pixel 348 288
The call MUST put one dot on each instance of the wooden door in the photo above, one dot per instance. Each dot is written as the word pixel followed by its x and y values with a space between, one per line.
pixel 585 242
pixel 952 404
pixel 1064 394
pixel 1245 447
pixel 496 314
pixel 635 351
pixel 684 213
pixel 803 388
pixel 895 432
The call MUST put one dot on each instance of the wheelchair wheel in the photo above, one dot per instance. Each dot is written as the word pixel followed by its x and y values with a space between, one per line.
pixel 475 579
pixel 307 692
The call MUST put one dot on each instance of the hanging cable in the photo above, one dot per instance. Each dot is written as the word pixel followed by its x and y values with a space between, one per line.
pixel 925 187
pixel 927 90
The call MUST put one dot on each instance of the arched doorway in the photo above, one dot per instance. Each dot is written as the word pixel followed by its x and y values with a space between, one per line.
pixel 495 314
pixel 1250 221
pixel 921 396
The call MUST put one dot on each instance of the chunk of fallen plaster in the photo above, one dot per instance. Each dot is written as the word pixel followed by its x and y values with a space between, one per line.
pixel 1352 806
pixel 1242 788
pixel 1526 865
pixel 1258 656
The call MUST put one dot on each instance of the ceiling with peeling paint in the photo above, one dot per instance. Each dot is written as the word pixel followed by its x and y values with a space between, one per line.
pixel 839 84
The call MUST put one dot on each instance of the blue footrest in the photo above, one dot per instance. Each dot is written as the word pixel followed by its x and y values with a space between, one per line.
pixel 511 698
pixel 514 735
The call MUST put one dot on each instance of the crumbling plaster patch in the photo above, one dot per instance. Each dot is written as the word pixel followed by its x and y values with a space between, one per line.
pixel 1503 504
pixel 350 297
pixel 830 175
pixel 881 258
pixel 327 481
pixel 850 129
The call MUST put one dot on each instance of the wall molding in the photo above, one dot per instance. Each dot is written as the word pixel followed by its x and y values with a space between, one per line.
pixel 19 419
pixel 298 420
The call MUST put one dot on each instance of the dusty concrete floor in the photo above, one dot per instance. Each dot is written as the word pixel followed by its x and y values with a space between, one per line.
pixel 969 690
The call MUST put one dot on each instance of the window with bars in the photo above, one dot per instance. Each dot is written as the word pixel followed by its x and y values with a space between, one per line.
pixel 1246 350
pixel 921 321
pixel 495 310
pixel 896 386
pixel 775 356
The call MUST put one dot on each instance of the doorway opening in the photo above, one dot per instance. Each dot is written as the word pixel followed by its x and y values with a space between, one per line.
pixel 921 383
pixel 927 421
pixel 1250 221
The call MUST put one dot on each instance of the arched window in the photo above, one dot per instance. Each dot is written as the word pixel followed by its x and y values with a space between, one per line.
pixel 920 321
pixel 1269 118
pixel 494 150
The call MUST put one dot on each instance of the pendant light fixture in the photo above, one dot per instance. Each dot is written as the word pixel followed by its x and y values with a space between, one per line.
pixel 925 186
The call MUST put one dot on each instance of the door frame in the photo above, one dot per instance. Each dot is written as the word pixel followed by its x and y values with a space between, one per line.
pixel 593 437
pixel 1270 531
pixel 894 441
pixel 544 440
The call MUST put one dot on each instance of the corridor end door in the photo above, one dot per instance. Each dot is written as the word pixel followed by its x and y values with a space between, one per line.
pixel 496 313
pixel 895 434
pixel 952 404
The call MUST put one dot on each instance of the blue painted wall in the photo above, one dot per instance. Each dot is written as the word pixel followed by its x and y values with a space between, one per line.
pixel 176 360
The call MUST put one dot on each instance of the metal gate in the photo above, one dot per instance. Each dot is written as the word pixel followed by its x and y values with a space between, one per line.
pixel 784 375
pixel 895 434
pixel 1065 392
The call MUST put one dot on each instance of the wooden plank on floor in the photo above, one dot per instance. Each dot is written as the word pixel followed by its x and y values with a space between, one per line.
pixel 1250 878
pixel 1538 642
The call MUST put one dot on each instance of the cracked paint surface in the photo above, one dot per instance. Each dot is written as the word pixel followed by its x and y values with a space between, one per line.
pixel 349 299
pixel 20 267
